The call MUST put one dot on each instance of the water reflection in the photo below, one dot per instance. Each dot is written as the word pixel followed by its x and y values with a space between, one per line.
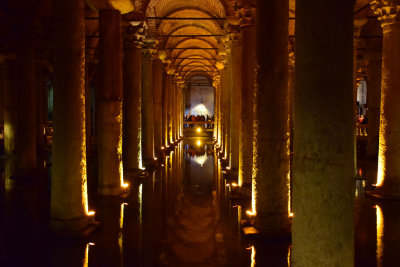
pixel 180 215
pixel 379 235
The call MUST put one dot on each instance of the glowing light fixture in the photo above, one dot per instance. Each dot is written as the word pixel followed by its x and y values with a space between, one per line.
pixel 198 130
pixel 198 143
pixel 235 185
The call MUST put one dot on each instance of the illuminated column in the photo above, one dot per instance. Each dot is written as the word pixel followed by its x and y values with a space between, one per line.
pixel 217 89
pixel 373 101
pixel 147 104
pixel 235 99
pixel 68 184
pixel 173 104
pixel 246 125
pixel 109 104
pixel 271 127
pixel 226 108
pixel 132 105
pixel 323 172
pixel 165 110
pixel 389 131
pixel 170 85
pixel 157 80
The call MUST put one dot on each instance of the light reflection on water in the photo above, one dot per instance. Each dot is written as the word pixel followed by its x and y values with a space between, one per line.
pixel 379 236
pixel 186 204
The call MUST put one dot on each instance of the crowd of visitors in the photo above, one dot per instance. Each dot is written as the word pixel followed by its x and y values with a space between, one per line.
pixel 199 118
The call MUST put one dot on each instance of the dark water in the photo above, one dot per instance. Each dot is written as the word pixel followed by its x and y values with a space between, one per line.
pixel 180 215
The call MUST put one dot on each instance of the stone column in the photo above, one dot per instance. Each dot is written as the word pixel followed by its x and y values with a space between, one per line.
pixel 388 183
pixel 158 84
pixel 323 175
pixel 217 112
pixel 170 85
pixel 26 109
pixel 246 126
pixel 226 108
pixel 373 102
pixel 164 129
pixel 132 66
pixel 69 204
pixel 173 109
pixel 235 100
pixel 147 104
pixel 271 127
pixel 109 104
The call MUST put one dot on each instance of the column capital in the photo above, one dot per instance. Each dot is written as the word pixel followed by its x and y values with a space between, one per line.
pixel 149 48
pixel 216 80
pixel 357 26
pixel 387 10
pixel 133 36
pixel 247 16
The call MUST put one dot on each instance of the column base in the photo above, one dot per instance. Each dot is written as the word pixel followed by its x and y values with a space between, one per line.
pixel 110 190
pixel 255 233
pixel 75 228
pixel 381 195
pixel 272 224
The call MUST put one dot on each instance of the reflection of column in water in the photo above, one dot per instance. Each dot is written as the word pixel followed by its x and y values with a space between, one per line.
pixel 86 257
pixel 120 234
pixel 379 236
pixel 289 260
pixel 252 256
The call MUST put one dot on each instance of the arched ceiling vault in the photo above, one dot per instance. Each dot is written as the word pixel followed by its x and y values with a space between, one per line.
pixel 189 32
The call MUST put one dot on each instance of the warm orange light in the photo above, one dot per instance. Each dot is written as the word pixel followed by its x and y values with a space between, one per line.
pixel 91 213
pixel 91 244
pixel 291 215
pixel 162 148
pixel 251 213
pixel 198 143
pixel 198 130
pixel 235 185
pixel 125 185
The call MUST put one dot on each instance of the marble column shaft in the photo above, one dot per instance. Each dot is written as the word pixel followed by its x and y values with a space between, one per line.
pixel 164 129
pixel 389 130
pixel 235 99
pixel 147 107
pixel 170 85
pixel 132 106
pixel 68 185
pixel 373 103
pixel 323 175
pixel 271 124
pixel 109 103
pixel 158 84
pixel 226 108
pixel 246 126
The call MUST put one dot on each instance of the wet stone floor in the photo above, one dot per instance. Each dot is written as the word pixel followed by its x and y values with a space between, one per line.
pixel 182 214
